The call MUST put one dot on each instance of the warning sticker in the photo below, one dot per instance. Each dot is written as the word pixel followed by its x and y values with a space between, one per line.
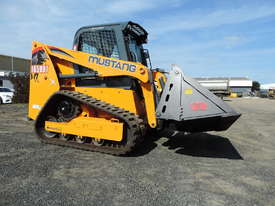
pixel 196 106
pixel 188 91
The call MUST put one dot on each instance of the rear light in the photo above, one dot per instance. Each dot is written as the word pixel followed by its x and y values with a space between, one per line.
pixel 75 47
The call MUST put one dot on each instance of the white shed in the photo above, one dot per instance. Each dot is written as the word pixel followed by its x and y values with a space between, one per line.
pixel 240 82
pixel 268 86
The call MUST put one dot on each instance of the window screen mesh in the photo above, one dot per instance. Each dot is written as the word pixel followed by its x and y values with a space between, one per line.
pixel 102 43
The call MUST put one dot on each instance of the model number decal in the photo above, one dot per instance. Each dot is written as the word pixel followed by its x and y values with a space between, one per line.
pixel 39 69
pixel 112 63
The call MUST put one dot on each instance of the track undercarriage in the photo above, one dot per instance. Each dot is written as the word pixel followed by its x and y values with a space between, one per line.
pixel 65 105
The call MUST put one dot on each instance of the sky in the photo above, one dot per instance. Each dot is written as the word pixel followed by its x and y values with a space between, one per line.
pixel 213 38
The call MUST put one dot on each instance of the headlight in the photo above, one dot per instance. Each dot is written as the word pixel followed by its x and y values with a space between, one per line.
pixel 7 96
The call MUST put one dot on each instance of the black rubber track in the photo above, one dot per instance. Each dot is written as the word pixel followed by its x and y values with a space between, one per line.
pixel 135 125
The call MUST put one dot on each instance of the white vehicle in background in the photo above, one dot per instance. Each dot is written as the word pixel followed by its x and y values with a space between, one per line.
pixel 6 95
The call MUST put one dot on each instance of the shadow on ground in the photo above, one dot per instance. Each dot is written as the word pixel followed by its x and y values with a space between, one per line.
pixel 199 145
pixel 203 145
pixel 146 147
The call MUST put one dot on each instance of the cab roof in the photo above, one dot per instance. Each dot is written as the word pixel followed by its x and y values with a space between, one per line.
pixel 125 27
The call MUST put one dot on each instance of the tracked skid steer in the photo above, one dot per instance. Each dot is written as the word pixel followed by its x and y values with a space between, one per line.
pixel 104 96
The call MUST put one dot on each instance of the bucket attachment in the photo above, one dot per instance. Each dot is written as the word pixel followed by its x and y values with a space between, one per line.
pixel 192 107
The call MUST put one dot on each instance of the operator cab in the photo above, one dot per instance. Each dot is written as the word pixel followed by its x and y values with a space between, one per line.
pixel 123 41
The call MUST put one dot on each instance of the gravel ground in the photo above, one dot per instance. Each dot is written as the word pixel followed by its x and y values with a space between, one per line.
pixel 235 167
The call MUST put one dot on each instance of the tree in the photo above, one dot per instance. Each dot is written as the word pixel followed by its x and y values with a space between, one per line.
pixel 255 86
pixel 21 87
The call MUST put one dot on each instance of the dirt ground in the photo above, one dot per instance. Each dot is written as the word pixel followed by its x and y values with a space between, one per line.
pixel 235 167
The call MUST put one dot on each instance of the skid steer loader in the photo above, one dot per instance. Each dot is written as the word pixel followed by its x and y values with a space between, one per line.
pixel 103 96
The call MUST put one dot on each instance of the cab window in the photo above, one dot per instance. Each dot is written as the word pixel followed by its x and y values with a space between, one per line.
pixel 99 42
pixel 134 50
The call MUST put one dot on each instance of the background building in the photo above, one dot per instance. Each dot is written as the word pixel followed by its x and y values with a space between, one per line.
pixel 10 64
pixel 240 85
pixel 268 86
pixel 14 64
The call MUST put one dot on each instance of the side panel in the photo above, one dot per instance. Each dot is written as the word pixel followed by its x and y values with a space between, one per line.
pixel 122 98
pixel 43 80
pixel 88 127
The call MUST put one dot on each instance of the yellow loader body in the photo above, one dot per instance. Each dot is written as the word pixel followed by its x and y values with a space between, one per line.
pixel 102 96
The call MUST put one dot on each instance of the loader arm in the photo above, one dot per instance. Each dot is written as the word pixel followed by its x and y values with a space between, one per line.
pixel 100 67
pixel 104 66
